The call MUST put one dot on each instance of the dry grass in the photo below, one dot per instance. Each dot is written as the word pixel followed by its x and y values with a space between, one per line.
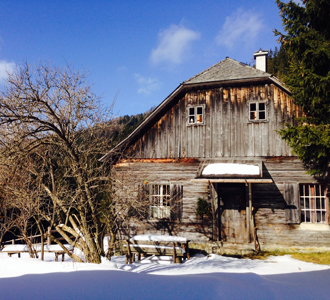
pixel 322 258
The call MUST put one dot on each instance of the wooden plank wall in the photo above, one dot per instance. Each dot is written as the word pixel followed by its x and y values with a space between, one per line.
pixel 227 131
pixel 131 175
pixel 269 206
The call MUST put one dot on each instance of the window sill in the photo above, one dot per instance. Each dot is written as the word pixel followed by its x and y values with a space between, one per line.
pixel 257 121
pixel 195 124
pixel 314 227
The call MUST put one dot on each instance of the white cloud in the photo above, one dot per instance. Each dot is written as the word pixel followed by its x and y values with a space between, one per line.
pixel 147 84
pixel 174 45
pixel 241 26
pixel 5 67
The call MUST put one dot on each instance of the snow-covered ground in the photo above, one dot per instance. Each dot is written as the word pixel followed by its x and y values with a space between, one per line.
pixel 202 277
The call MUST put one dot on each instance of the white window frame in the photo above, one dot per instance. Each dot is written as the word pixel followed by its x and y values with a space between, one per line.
pixel 258 111
pixel 160 201
pixel 196 115
pixel 314 204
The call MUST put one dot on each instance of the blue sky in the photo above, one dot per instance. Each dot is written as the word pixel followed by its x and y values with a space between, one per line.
pixel 141 49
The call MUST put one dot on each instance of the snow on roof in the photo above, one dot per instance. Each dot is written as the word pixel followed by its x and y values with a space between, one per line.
pixel 230 169
pixel 159 238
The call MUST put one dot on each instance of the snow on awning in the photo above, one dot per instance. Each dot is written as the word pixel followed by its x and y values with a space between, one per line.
pixel 231 169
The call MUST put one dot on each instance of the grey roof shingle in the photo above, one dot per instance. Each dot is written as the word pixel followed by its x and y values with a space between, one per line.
pixel 227 69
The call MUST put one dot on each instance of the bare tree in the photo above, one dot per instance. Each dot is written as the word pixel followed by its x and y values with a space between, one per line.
pixel 50 115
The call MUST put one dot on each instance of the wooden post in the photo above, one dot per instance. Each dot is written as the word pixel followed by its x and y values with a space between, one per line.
pixel 139 256
pixel 48 235
pixel 186 248
pixel 248 209
pixel 251 232
pixel 129 254
pixel 174 253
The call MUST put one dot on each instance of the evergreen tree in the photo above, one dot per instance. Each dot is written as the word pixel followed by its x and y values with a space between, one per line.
pixel 307 39
pixel 277 62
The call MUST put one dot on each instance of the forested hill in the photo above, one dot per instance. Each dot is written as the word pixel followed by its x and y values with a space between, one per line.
pixel 126 124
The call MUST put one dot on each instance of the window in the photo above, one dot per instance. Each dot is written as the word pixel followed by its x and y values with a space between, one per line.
pixel 160 199
pixel 313 203
pixel 257 111
pixel 164 200
pixel 196 115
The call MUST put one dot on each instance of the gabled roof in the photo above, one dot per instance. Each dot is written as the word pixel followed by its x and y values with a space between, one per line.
pixel 227 71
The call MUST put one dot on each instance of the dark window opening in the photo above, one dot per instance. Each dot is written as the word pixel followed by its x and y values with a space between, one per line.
pixel 257 111
pixel 196 115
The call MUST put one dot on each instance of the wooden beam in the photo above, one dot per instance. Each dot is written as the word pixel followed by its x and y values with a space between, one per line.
pixel 219 180
pixel 251 227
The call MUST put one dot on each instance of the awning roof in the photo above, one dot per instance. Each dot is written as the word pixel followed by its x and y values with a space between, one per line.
pixel 220 169
pixel 231 180
pixel 229 172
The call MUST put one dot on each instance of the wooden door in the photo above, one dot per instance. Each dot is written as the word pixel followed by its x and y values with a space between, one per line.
pixel 232 203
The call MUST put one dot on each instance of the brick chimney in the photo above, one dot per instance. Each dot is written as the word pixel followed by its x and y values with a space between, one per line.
pixel 261 60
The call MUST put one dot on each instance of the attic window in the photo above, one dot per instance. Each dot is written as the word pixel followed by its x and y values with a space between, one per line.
pixel 257 111
pixel 196 115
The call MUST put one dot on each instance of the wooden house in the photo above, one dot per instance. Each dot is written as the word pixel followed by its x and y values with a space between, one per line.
pixel 213 141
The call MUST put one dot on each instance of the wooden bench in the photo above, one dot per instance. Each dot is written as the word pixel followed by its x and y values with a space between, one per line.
pixel 47 249
pixel 159 245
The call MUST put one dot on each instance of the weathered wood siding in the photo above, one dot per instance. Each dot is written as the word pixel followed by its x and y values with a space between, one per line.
pixel 172 152
pixel 227 131
pixel 271 207
pixel 268 200
pixel 133 174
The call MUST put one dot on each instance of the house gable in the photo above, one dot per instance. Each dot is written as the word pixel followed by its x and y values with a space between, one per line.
pixel 224 91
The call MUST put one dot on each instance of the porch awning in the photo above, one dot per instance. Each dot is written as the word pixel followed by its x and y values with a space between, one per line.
pixel 221 169
pixel 232 173
pixel 232 180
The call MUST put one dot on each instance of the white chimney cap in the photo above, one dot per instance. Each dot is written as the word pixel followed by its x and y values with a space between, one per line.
pixel 261 60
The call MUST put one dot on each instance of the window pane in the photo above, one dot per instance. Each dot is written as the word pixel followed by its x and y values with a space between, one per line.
pixel 262 106
pixel 253 107
pixel 307 203
pixel 199 119
pixel 191 111
pixel 323 216
pixel 302 203
pixel 318 203
pixel 253 115
pixel 308 219
pixel 191 119
pixel 317 190
pixel 262 115
pixel 199 110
